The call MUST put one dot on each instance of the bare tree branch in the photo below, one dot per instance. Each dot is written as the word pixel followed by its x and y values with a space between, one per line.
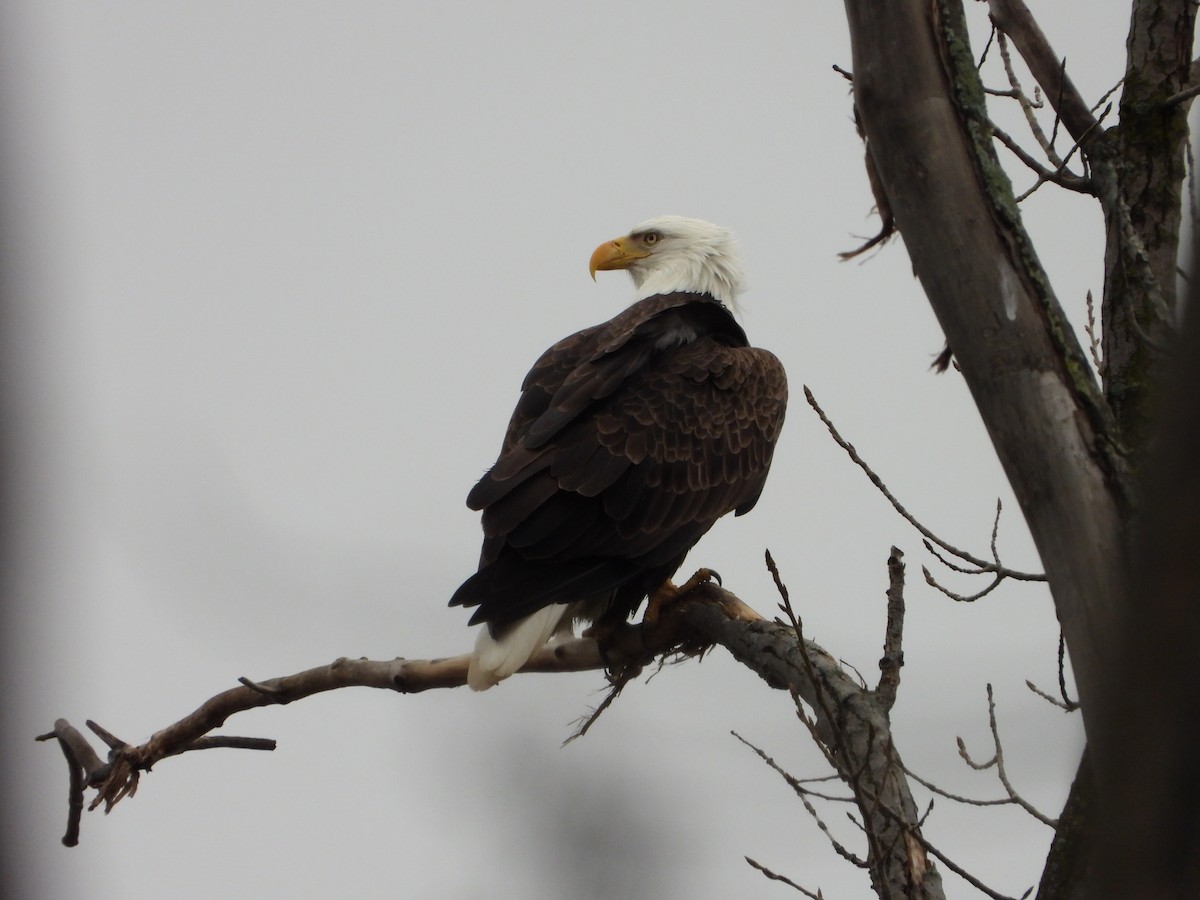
pixel 957 798
pixel 893 652
pixel 887 221
pixel 776 877
pixel 852 719
pixel 118 777
pixel 803 793
pixel 1014 345
pixel 967 876
pixel 1059 175
pixel 997 760
pixel 81 762
pixel 982 565
pixel 850 725
pixel 968 598
pixel 1027 106
pixel 1186 94
pixel 1014 19
pixel 1093 341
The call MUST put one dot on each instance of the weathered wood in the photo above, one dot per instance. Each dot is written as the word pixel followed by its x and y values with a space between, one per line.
pixel 922 109
pixel 1143 218
pixel 849 720
pixel 851 723
pixel 1149 794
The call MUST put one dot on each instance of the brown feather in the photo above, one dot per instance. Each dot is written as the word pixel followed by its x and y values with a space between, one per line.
pixel 630 439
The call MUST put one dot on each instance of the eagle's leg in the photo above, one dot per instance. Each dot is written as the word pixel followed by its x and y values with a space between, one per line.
pixel 667 593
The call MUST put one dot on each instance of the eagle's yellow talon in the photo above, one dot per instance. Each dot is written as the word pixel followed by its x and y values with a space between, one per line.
pixel 668 593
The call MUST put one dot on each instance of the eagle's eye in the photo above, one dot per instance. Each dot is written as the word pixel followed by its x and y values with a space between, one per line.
pixel 650 238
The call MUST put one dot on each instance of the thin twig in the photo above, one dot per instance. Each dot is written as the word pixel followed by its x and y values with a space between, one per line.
pixel 878 482
pixel 1090 328
pixel 1062 673
pixel 971 598
pixel 803 792
pixel 1059 176
pixel 1062 79
pixel 810 670
pixel 1186 94
pixel 1104 97
pixel 798 785
pixel 776 877
pixel 963 873
pixel 1027 107
pixel 893 652
pixel 998 761
pixel 1053 701
pixel 928 810
pixel 942 792
pixel 961 598
pixel 1015 20
pixel 585 723
pixel 986 47
pixel 949 563
pixel 832 744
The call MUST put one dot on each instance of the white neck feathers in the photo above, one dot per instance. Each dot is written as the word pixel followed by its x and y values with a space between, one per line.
pixel 690 255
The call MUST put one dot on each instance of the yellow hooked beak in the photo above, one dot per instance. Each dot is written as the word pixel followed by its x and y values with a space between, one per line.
pixel 619 253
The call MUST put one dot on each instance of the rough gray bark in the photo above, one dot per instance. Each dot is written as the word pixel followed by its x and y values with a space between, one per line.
pixel 851 723
pixel 1137 168
pixel 1143 224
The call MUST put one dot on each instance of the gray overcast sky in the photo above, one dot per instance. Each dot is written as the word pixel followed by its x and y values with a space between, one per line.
pixel 278 270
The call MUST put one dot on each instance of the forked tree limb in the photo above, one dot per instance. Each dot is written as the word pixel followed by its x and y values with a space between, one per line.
pixel 116 776
pixel 849 719
pixel 1065 447
pixel 922 108
pixel 1014 19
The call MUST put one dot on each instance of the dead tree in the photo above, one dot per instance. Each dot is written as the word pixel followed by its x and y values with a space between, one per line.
pixel 1071 448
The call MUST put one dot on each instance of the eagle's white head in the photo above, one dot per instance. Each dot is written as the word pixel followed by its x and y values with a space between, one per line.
pixel 674 253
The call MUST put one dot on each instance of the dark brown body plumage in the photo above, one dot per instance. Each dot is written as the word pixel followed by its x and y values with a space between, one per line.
pixel 630 439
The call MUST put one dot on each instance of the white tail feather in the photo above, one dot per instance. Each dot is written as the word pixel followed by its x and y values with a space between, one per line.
pixel 495 659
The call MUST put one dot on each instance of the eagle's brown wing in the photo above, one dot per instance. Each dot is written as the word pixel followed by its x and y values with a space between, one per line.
pixel 630 440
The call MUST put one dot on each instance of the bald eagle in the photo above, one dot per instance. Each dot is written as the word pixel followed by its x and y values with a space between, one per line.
pixel 630 439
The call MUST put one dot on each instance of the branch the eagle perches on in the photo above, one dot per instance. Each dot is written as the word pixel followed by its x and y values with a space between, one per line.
pixel 849 721
pixel 848 718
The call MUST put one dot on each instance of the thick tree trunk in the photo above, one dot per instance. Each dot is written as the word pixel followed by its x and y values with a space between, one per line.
pixel 954 210
pixel 1143 222
pixel 922 109
pixel 1149 814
